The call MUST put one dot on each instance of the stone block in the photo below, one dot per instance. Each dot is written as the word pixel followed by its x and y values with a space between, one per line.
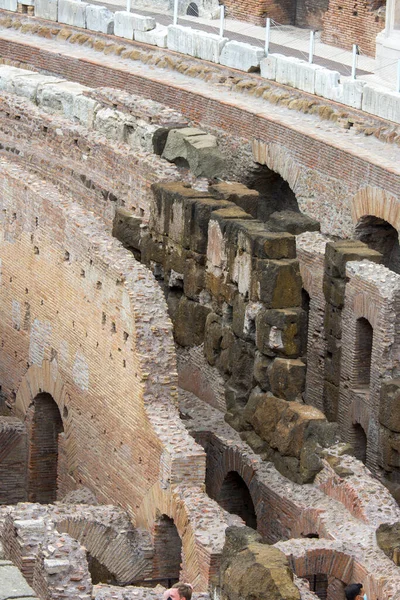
pixel 9 5
pixel 194 275
pixel 337 254
pixel 286 70
pixel 381 102
pixel 282 332
pixel 143 23
pixel 196 148
pixel 111 123
pixel 244 318
pixel 212 338
pixel 241 359
pixel 59 97
pixel 333 360
pixel 208 46
pixel 353 92
pixel 310 461
pixel 99 18
pixel 7 75
pixel 190 321
pixel 127 229
pixel 73 13
pixel 27 84
pixel 388 540
pixel 389 449
pixel 276 283
pixel 334 291
pixel 268 66
pixel 284 424
pixel 326 83
pixel 389 407
pixel 261 372
pixel 124 23
pixel 305 77
pixel 292 222
pixel 238 194
pixel 181 39
pixel 84 110
pixel 333 321
pixel 241 56
pixel 46 9
pixel 155 37
pixel 177 197
pixel 287 379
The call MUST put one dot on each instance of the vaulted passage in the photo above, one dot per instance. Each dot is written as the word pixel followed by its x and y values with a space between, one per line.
pixel 235 498
pixel 45 427
pixel 167 551
pixel 383 237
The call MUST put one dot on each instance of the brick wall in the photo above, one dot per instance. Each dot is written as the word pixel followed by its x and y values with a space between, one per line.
pixel 256 11
pixel 13 456
pixel 347 22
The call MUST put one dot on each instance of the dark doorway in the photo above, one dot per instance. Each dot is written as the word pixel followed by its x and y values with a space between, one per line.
pixel 235 498
pixel 167 550
pixel 359 443
pixel 363 353
pixel 275 193
pixel 381 236
pixel 192 10
pixel 46 426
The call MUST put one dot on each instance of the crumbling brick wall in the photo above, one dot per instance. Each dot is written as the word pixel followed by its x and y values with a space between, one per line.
pixel 13 456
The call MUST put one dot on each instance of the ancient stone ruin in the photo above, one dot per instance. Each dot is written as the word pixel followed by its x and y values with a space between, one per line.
pixel 200 317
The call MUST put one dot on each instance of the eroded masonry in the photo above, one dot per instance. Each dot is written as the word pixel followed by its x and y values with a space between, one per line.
pixel 200 329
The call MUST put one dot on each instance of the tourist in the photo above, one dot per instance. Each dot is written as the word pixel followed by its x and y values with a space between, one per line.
pixel 179 591
pixel 353 591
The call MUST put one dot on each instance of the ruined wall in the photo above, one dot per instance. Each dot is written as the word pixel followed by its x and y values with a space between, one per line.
pixel 13 456
pixel 346 23
pixel 70 327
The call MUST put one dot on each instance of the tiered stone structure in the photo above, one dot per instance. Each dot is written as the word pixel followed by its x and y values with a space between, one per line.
pixel 156 329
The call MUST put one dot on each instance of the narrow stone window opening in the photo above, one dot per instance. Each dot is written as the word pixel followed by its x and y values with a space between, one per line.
pixel 363 353
pixel 359 442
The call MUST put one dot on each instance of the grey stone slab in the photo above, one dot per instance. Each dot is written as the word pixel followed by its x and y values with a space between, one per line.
pixel 46 9
pixel 99 18
pixel 72 13
pixel 13 585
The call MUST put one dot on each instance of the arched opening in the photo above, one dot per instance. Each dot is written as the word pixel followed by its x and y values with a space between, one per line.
pixel 278 204
pixel 381 236
pixel 99 572
pixel 45 428
pixel 167 551
pixel 359 442
pixel 363 353
pixel 234 497
pixel 192 10
pixel 275 193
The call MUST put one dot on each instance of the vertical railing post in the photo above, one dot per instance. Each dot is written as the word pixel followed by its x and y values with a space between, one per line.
pixel 175 21
pixel 221 20
pixel 267 35
pixel 312 46
pixel 354 62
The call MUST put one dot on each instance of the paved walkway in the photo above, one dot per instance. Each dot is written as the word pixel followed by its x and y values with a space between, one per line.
pixel 284 39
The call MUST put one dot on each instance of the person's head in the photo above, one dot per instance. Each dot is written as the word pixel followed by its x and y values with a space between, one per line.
pixel 352 591
pixel 180 591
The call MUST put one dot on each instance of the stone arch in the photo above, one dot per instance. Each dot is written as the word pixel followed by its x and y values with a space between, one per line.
pixel 189 508
pixel 378 203
pixel 124 552
pixel 40 379
pixel 276 158
pixel 192 10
